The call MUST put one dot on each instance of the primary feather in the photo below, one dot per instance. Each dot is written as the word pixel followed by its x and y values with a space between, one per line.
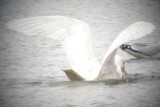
pixel 134 31
pixel 72 33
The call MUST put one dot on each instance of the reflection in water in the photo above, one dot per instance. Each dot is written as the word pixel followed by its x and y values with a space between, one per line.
pixel 136 78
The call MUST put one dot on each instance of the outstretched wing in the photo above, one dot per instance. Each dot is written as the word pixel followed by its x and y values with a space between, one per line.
pixel 134 31
pixel 72 33
pixel 152 50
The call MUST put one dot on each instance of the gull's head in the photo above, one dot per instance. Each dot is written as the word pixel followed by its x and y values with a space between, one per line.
pixel 120 64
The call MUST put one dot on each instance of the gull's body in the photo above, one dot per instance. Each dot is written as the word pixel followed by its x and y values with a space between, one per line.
pixel 142 50
pixel 74 36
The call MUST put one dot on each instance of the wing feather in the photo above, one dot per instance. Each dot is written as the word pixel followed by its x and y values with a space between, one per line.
pixel 134 31
pixel 72 33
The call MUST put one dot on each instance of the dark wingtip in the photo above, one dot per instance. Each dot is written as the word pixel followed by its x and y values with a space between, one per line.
pixel 123 46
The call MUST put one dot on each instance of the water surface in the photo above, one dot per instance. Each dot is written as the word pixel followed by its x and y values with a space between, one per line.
pixel 30 74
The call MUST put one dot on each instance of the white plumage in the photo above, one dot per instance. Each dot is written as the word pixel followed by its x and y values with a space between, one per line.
pixel 142 50
pixel 75 38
